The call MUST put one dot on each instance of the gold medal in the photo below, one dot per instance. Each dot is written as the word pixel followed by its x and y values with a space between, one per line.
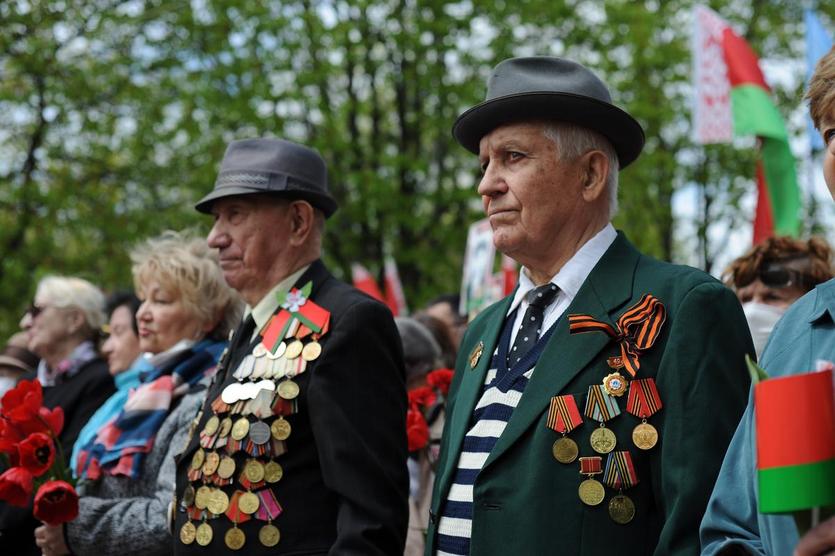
pixel 198 458
pixel 592 492
pixel 273 472
pixel 288 389
pixel 188 532
pixel 269 535
pixel 204 534
pixel 225 427
pixel 645 436
pixel 188 496
pixel 240 428
pixel 201 497
pixel 621 509
pixel 294 349
pixel 280 429
pixel 249 503
pixel 235 538
pixel 226 468
pixel 565 450
pixel 603 440
pixel 254 471
pixel 615 384
pixel 312 351
pixel 218 502
pixel 211 463
pixel 211 425
pixel 475 355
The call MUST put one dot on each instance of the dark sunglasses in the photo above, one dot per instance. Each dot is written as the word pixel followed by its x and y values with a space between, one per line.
pixel 776 276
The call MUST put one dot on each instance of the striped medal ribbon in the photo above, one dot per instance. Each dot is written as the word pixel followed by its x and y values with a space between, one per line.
pixel 564 417
pixel 644 401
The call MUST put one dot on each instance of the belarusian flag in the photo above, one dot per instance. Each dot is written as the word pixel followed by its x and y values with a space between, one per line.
pixel 732 98
pixel 795 417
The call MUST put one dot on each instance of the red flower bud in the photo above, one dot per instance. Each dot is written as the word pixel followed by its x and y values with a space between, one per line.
pixel 37 453
pixel 440 379
pixel 416 429
pixel 16 486
pixel 56 502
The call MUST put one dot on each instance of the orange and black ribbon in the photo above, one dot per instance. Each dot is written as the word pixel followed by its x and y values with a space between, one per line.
pixel 620 471
pixel 563 414
pixel 643 398
pixel 636 330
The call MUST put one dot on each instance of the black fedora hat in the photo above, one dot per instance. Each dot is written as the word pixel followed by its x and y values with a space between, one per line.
pixel 547 88
pixel 272 166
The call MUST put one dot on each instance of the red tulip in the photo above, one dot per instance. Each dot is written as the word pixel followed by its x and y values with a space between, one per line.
pixel 440 379
pixel 56 502
pixel 54 418
pixel 422 395
pixel 417 430
pixel 37 453
pixel 16 486
pixel 23 401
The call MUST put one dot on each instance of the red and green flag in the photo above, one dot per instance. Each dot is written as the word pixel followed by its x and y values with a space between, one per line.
pixel 795 417
pixel 734 100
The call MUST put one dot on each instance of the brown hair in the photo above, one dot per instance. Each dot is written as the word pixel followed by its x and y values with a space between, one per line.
pixel 811 257
pixel 821 93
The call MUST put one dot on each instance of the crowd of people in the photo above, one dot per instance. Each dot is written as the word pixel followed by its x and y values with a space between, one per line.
pixel 243 399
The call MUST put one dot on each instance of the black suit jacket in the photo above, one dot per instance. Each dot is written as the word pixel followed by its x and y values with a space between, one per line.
pixel 345 484
pixel 79 396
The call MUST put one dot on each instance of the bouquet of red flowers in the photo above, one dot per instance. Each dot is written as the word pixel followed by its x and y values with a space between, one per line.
pixel 32 455
pixel 422 400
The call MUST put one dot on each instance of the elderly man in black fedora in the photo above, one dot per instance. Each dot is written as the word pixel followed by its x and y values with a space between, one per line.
pixel 591 408
pixel 300 447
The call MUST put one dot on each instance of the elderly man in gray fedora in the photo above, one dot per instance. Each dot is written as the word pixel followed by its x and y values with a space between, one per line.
pixel 591 408
pixel 300 447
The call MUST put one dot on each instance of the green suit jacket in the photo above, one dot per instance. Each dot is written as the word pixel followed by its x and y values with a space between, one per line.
pixel 525 502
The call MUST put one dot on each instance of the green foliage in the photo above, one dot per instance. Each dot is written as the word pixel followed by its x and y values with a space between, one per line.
pixel 114 117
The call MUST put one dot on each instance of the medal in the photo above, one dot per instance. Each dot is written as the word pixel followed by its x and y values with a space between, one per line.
pixel 475 355
pixel 198 458
pixel 211 463
pixel 259 350
pixel 226 468
pixel 188 532
pixel 273 472
pixel 644 401
pixel 615 384
pixel 621 509
pixel 294 349
pixel 312 351
pixel 248 503
pixel 201 497
pixel 280 429
pixel 278 353
pixel 615 362
pixel 225 427
pixel 603 440
pixel 211 425
pixel 204 534
pixel 188 496
pixel 591 492
pixel 288 389
pixel 564 417
pixel 234 538
pixel 601 407
pixel 218 502
pixel 230 393
pixel 259 432
pixel 269 535
pixel 254 471
pixel 240 428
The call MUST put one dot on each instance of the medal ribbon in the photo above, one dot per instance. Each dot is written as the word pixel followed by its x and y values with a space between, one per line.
pixel 620 471
pixel 636 329
pixel 591 465
pixel 643 398
pixel 600 406
pixel 234 513
pixel 269 508
pixel 563 415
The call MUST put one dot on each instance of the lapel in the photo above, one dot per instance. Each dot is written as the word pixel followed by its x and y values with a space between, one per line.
pixel 484 330
pixel 606 290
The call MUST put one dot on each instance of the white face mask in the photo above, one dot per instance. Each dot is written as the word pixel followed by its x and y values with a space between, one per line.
pixel 761 320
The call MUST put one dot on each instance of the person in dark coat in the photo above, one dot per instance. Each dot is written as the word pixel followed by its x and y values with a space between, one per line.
pixel 300 447
pixel 63 326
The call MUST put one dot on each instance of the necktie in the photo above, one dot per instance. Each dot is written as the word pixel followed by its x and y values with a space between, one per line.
pixel 538 299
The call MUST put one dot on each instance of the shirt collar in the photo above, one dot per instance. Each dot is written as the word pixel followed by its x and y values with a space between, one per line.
pixel 824 302
pixel 265 308
pixel 574 272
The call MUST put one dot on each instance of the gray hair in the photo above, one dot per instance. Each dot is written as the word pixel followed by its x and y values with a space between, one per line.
pixel 573 141
pixel 421 351
pixel 68 292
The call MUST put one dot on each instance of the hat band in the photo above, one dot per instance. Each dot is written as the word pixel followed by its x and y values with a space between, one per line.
pixel 255 180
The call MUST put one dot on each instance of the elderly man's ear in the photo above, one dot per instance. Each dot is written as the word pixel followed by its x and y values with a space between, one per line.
pixel 595 169
pixel 302 219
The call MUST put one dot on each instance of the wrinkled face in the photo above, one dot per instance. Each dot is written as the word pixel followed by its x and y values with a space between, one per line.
pixel 164 319
pixel 249 232
pixel 828 131
pixel 760 293
pixel 48 325
pixel 528 194
pixel 122 346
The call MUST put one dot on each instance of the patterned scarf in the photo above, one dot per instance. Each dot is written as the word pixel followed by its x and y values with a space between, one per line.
pixel 80 356
pixel 120 445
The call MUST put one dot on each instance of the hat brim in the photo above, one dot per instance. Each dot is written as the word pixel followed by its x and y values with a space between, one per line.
pixel 622 130
pixel 324 203
pixel 6 361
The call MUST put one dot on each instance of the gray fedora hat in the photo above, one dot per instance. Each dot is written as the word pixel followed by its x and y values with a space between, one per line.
pixel 272 166
pixel 547 88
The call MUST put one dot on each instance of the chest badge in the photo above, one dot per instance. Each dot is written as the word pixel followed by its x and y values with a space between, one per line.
pixel 475 355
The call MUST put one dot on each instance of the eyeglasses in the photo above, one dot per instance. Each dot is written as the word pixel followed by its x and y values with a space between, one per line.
pixel 777 276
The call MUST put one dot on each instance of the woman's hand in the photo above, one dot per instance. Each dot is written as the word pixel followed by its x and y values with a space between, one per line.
pixel 50 539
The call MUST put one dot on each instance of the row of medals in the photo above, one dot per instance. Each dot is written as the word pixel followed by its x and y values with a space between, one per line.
pixel 603 441
pixel 258 372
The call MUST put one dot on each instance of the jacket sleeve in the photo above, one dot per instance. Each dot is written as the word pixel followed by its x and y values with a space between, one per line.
pixel 108 523
pixel 357 402
pixel 703 384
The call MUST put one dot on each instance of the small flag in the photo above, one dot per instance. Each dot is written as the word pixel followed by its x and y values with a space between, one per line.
pixel 395 298
pixel 364 282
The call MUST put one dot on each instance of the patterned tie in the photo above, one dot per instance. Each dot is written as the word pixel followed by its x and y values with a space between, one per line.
pixel 538 299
